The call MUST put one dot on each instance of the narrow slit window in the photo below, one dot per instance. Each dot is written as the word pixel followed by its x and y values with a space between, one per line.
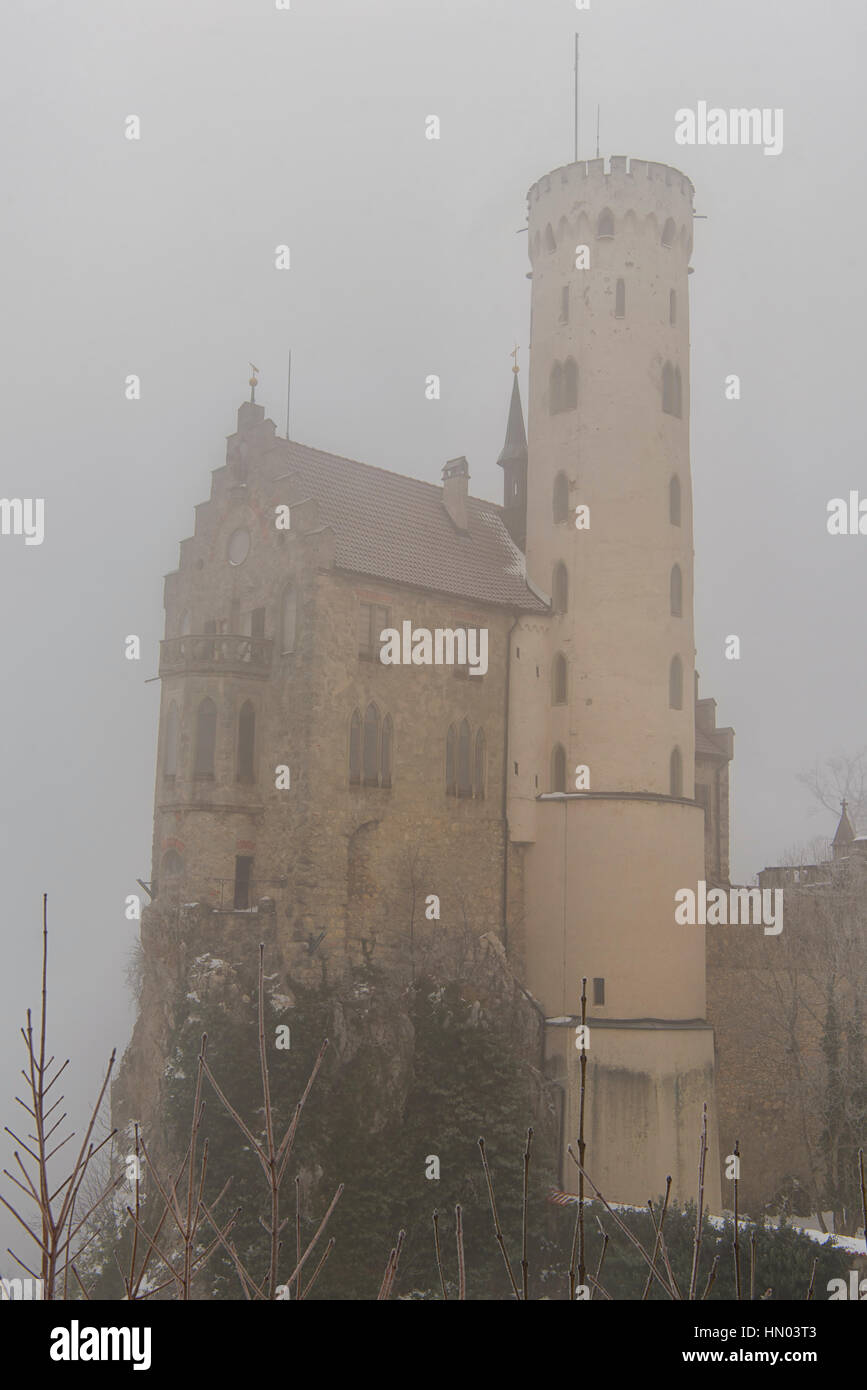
pixel 558 768
pixel 676 772
pixel 676 592
pixel 206 739
pixel 675 683
pixel 246 743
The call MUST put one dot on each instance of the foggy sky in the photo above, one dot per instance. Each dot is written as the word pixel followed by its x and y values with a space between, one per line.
pixel 306 127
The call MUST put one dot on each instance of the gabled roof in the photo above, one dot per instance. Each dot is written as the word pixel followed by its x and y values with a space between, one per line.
pixel 395 528
pixel 706 745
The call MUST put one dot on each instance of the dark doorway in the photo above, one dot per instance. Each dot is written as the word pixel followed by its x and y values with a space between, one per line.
pixel 243 877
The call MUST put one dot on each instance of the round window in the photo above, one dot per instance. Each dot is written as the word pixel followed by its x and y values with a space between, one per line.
pixel 239 546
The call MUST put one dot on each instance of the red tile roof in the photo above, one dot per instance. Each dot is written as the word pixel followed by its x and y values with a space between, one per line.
pixel 396 528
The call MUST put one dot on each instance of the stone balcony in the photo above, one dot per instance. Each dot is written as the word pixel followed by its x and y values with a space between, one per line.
pixel 226 653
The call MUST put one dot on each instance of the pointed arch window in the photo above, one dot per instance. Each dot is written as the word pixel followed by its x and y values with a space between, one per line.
pixel 451 762
pixel 550 239
pixel 669 232
pixel 171 873
pixel 370 746
pixel 560 588
pixel 561 498
pixel 555 389
pixel 668 389
pixel 605 225
pixel 674 500
pixel 355 749
pixel 620 300
pixel 559 680
pixel 676 591
pixel 170 756
pixel 172 865
pixel 288 619
pixel 675 683
pixel 246 743
pixel 480 767
pixel 386 752
pixel 676 772
pixel 570 384
pixel 678 393
pixel 206 739
pixel 558 768
pixel 465 778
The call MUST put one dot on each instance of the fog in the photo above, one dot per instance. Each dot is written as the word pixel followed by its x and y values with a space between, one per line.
pixel 306 127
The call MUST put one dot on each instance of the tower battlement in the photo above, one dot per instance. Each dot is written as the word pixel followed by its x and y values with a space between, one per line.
pixel 566 205
pixel 611 170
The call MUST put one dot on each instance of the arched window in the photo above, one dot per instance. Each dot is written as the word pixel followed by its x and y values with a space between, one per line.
pixel 668 389
pixel 206 739
pixel 465 776
pixel 676 592
pixel 370 751
pixel 605 225
pixel 620 300
pixel 676 772
pixel 185 626
pixel 480 767
pixel 560 588
pixel 171 873
pixel 550 241
pixel 288 619
pixel 355 749
pixel 559 681
pixel 170 755
pixel 558 768
pixel 672 307
pixel 675 683
pixel 674 500
pixel 678 393
pixel 246 742
pixel 385 754
pixel 451 762
pixel 570 384
pixel 555 389
pixel 561 497
pixel 669 232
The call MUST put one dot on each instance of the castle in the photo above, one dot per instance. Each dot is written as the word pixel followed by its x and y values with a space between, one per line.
pixel 560 799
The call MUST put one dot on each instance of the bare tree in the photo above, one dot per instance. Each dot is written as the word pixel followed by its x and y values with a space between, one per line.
pixel 842 777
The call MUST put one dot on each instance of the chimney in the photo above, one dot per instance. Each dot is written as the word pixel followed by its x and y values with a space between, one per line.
pixel 456 477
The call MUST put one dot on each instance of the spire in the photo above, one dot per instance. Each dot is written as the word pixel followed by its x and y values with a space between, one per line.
pixel 515 448
pixel 845 830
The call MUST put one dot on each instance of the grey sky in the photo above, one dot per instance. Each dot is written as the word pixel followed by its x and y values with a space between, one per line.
pixel 307 127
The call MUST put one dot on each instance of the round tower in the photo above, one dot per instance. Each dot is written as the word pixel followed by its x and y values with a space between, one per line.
pixel 609 430
pixel 604 752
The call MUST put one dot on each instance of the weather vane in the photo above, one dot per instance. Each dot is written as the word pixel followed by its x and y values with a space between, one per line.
pixel 514 354
pixel 253 383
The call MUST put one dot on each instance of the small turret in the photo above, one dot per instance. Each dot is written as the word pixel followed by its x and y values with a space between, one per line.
pixel 513 461
pixel 845 833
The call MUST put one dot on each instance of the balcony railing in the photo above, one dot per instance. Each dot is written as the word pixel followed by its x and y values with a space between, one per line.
pixel 231 652
pixel 222 894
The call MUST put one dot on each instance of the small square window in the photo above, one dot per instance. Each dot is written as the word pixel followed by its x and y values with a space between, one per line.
pixel 598 991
